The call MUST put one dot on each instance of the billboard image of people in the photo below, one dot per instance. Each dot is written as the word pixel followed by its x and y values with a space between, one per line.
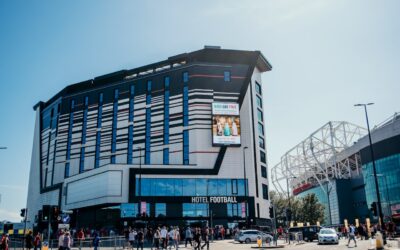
pixel 225 124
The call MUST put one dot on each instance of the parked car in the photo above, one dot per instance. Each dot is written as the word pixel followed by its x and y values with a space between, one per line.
pixel 248 236
pixel 310 233
pixel 328 235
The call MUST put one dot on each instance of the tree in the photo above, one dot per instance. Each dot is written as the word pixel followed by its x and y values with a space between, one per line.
pixel 306 209
pixel 311 210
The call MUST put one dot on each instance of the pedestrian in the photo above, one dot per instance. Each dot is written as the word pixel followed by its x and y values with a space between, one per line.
pixel 177 237
pixel 29 240
pixel 61 240
pixel 126 234
pixel 37 243
pixel 188 236
pixel 96 241
pixel 156 238
pixel 81 237
pixel 4 241
pixel 360 231
pixel 140 239
pixel 170 237
pixel 352 235
pixel 206 238
pixel 197 239
pixel 132 237
pixel 67 241
pixel 164 237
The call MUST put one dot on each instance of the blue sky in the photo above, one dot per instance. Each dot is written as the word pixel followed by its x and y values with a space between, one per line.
pixel 326 56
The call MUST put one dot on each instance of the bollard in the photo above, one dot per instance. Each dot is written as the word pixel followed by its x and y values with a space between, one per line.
pixel 378 241
pixel 259 241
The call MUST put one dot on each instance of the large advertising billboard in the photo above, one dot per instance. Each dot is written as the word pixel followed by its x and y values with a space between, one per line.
pixel 225 124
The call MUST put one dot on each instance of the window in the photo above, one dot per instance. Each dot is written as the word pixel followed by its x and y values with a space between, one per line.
pixel 83 136
pixel 69 138
pixel 263 157
pixel 114 126
pixel 148 125
pixel 227 76
pixel 166 121
pixel 185 147
pixel 259 102
pixel 263 171
pixel 261 142
pixel 161 210
pixel 130 127
pixel 185 76
pixel 166 156
pixel 194 210
pixel 98 133
pixel 260 115
pixel 258 88
pixel 265 191
pixel 260 129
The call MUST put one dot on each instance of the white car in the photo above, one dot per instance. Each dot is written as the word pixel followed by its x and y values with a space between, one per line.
pixel 252 235
pixel 327 235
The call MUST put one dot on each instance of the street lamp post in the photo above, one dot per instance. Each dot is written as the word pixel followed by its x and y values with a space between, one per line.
pixel 373 163
pixel 244 179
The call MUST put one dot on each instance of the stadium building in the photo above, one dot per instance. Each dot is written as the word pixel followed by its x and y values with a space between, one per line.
pixel 177 142
pixel 334 163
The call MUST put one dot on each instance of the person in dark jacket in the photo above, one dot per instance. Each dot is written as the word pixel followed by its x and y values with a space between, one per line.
pixel 29 240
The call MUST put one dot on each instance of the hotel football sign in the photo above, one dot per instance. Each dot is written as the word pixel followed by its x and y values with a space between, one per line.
pixel 214 199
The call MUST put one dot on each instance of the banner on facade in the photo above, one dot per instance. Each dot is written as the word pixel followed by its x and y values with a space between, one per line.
pixel 226 127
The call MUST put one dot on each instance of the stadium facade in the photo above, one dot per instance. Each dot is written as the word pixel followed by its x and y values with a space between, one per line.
pixel 340 172
pixel 175 142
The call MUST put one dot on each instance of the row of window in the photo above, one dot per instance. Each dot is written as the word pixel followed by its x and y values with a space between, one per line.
pixel 188 210
pixel 190 187
pixel 185 118
pixel 261 141
pixel 83 136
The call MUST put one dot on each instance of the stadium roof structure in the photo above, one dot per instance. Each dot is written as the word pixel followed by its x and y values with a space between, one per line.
pixel 314 161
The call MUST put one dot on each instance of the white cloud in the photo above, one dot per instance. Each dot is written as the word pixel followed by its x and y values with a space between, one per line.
pixel 9 216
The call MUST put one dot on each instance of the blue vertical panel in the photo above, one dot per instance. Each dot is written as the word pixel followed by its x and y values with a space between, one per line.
pixel 185 118
pixel 114 127
pixel 50 135
pixel 130 128
pixel 166 121
pixel 98 133
pixel 69 139
pixel 83 138
pixel 148 125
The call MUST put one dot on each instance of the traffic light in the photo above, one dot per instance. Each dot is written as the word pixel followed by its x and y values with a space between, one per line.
pixel 22 212
pixel 374 209
pixel 271 212
pixel 46 213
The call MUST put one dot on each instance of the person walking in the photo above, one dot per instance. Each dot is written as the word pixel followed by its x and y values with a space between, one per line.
pixel 164 233
pixel 206 238
pixel 96 241
pixel 4 241
pixel 352 235
pixel 140 239
pixel 156 238
pixel 197 239
pixel 177 237
pixel 61 240
pixel 132 237
pixel 170 238
pixel 37 243
pixel 29 240
pixel 67 241
pixel 188 236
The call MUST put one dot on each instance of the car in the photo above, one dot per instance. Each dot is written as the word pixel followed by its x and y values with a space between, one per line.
pixel 248 236
pixel 328 235
pixel 309 233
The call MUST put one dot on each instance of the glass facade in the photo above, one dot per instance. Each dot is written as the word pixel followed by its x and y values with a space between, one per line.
pixel 260 115
pixel 161 209
pixel 166 120
pixel 260 129
pixel 195 210
pixel 227 76
pixel 185 118
pixel 322 198
pixel 191 187
pixel 263 171
pixel 259 102
pixel 388 175
pixel 265 191
pixel 258 88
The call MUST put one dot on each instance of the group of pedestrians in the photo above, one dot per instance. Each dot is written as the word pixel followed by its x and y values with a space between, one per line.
pixel 167 238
